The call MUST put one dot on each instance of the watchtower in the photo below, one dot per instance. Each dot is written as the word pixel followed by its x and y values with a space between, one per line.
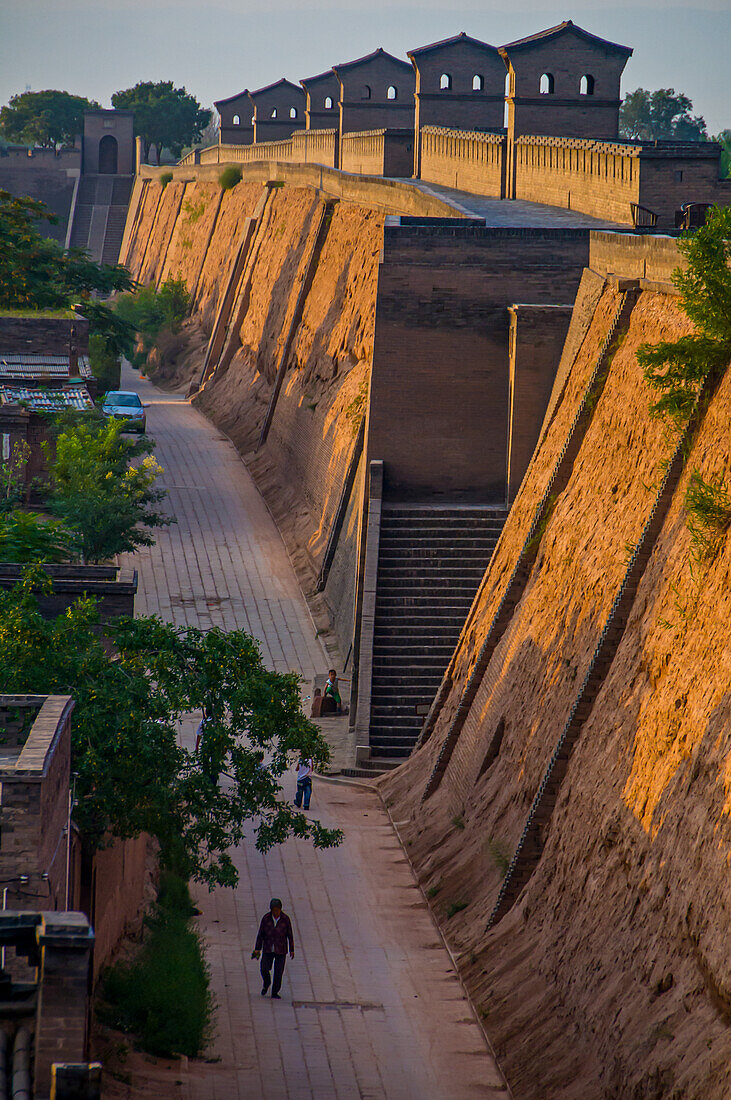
pixel 278 109
pixel 108 143
pixel 460 84
pixel 237 122
pixel 376 93
pixel 564 82
pixel 323 94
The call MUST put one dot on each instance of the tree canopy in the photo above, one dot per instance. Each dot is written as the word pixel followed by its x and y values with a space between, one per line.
pixel 133 776
pixel 99 491
pixel 47 119
pixel 660 115
pixel 35 272
pixel 724 140
pixel 165 116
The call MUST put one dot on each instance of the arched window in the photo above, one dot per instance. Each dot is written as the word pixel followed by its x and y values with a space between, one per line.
pixel 328 103
pixel 366 92
pixel 293 112
pixel 274 112
pixel 108 155
pixel 586 84
pixel 547 84
pixel 253 117
pixel 508 83
pixel 391 92
pixel 478 83
pixel 445 82
pixel 237 120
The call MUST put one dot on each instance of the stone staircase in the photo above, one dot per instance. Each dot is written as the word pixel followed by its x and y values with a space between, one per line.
pixel 431 560
pixel 100 215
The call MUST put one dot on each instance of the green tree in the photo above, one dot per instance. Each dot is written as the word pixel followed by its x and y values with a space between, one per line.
pixel 47 119
pixel 724 140
pixel 133 776
pixel 29 537
pixel 35 272
pixel 678 369
pixel 165 116
pixel 97 491
pixel 660 115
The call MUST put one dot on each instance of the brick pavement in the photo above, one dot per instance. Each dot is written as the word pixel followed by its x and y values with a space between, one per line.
pixel 371 1006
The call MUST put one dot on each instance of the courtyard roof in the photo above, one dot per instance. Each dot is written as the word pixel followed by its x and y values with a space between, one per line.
pixel 20 366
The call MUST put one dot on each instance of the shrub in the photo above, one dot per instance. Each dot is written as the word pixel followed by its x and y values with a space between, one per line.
pixel 149 310
pixel 708 507
pixel 229 177
pixel 105 365
pixel 163 995
pixel 29 537
pixel 455 907
pixel 97 491
pixel 165 178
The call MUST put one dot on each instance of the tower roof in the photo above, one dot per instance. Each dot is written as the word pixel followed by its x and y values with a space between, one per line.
pixel 455 40
pixel 348 65
pixel 567 27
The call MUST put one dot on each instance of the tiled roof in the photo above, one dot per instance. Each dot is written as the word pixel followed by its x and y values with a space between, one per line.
pixel 455 40
pixel 557 31
pixel 47 398
pixel 380 52
pixel 22 365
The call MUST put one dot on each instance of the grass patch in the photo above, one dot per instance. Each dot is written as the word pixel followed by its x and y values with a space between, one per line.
pixel 163 995
pixel 458 821
pixel 455 907
pixel 165 178
pixel 229 177
pixel 500 855
pixel 432 892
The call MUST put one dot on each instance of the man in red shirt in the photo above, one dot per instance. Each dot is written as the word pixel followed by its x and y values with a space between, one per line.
pixel 274 936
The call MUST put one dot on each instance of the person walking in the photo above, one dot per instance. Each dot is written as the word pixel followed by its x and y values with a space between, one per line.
pixel 274 936
pixel 305 768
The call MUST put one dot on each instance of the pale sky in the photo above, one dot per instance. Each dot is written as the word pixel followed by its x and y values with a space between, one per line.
pixel 217 47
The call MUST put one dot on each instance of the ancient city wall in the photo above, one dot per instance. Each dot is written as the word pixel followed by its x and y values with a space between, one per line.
pixel 321 356
pixel 466 161
pixel 617 943
pixel 378 153
pixel 597 178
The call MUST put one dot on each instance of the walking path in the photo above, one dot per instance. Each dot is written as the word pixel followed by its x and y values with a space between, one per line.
pixel 516 213
pixel 371 1005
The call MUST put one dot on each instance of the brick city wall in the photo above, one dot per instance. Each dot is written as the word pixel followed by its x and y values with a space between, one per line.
pixel 378 153
pixel 440 365
pixel 466 161
pixel 341 582
pixel 537 335
pixel 596 178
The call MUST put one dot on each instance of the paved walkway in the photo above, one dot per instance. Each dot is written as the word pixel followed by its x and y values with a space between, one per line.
pixel 371 1005
pixel 517 213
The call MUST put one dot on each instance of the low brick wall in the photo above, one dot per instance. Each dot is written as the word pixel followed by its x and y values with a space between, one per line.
pixel 114 588
pixel 467 161
pixel 387 153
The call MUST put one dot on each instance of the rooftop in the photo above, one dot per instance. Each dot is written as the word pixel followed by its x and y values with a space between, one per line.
pixel 22 366
pixel 567 27
pixel 47 398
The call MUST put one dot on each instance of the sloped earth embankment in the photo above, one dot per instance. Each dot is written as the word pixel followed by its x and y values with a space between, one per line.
pixel 611 976
pixel 192 231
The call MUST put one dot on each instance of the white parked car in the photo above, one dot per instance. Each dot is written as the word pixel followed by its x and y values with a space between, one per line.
pixel 125 405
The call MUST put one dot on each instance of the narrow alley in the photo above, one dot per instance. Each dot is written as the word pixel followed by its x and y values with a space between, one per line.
pixel 371 1005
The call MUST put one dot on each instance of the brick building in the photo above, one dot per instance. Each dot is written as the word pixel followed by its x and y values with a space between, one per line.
pixel 322 111
pixel 460 83
pixel 278 110
pixel 564 82
pixel 237 119
pixel 376 93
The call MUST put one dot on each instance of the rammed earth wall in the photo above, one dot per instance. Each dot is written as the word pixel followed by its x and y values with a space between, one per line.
pixel 619 938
